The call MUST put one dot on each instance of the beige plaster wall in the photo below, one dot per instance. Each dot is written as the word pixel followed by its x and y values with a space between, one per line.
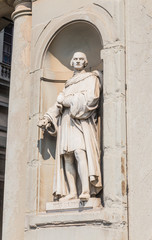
pixel 139 116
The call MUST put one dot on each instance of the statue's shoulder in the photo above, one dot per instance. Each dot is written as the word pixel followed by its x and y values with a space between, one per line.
pixel 95 73
pixel 82 76
pixel 99 75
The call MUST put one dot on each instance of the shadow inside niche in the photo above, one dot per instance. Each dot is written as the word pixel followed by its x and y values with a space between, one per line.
pixel 47 146
pixel 78 36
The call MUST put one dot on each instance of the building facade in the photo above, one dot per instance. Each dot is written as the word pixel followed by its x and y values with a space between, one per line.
pixel 116 36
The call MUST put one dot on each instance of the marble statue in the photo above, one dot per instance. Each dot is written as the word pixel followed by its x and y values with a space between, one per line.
pixel 73 119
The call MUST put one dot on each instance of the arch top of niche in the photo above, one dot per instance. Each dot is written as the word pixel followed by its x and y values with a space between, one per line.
pixel 102 21
pixel 78 36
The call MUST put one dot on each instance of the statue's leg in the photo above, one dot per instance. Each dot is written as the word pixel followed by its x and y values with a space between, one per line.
pixel 81 158
pixel 71 176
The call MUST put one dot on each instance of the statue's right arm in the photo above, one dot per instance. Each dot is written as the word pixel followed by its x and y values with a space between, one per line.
pixel 42 123
pixel 50 118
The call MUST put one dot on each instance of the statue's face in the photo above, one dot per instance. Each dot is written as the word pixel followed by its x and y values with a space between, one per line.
pixel 79 61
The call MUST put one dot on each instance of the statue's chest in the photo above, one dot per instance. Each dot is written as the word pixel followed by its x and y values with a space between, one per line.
pixel 76 88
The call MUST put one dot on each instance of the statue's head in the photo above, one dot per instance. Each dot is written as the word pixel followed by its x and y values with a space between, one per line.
pixel 79 61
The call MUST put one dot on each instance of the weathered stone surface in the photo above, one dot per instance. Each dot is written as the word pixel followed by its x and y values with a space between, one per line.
pixel 106 223
pixel 75 232
pixel 139 116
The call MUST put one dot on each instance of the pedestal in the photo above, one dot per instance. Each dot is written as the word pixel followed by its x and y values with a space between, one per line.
pixel 73 205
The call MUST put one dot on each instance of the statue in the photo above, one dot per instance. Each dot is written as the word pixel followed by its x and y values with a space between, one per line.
pixel 73 119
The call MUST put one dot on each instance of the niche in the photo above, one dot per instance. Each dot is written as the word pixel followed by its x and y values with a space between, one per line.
pixel 76 36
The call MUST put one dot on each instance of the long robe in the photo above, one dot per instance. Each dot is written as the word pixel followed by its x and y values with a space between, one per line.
pixel 76 128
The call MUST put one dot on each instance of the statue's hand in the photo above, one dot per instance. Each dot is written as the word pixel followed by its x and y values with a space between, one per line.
pixel 60 98
pixel 42 123
pixel 67 101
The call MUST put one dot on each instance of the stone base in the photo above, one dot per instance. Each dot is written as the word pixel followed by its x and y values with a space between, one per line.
pixel 73 205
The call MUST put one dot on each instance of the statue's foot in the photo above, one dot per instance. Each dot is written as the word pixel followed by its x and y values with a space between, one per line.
pixel 84 196
pixel 68 197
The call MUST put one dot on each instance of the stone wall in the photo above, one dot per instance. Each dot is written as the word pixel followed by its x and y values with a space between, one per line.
pixel 139 115
pixel 121 33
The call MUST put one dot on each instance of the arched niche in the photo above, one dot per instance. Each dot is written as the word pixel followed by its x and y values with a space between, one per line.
pixel 73 37
pixel 46 84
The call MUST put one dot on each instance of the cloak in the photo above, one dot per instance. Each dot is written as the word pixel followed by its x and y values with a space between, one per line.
pixel 81 93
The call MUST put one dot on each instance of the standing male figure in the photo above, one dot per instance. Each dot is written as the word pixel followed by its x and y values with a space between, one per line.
pixel 73 119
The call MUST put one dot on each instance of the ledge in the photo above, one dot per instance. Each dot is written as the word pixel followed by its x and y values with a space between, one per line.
pixel 104 217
